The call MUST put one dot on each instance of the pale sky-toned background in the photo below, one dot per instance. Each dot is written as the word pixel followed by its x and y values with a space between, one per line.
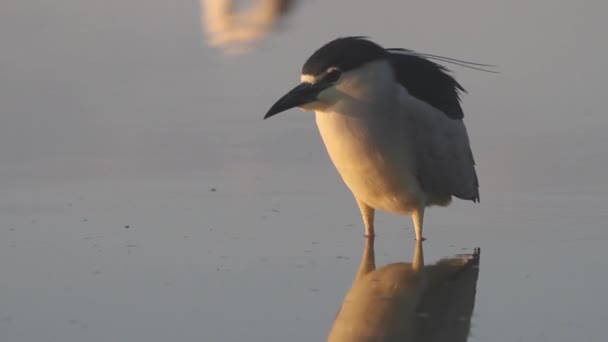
pixel 117 114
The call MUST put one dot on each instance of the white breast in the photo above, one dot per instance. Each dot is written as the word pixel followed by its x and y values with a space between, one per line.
pixel 371 157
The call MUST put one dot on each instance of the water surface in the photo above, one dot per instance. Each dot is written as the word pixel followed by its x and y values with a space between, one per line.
pixel 144 199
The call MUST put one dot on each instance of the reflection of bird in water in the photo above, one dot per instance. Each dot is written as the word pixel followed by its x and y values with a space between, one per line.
pixel 392 124
pixel 381 304
pixel 235 29
pixel 446 307
pixel 409 302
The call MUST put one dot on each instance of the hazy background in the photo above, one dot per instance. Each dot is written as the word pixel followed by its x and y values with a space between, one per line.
pixel 142 198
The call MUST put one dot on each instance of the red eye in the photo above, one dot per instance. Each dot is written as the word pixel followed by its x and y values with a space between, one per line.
pixel 333 75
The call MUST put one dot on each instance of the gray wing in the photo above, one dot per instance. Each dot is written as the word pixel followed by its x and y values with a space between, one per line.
pixel 443 159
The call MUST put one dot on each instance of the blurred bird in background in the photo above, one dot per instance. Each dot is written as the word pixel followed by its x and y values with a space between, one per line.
pixel 235 27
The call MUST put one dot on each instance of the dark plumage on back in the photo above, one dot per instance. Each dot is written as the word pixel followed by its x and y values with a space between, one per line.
pixel 423 79
pixel 429 82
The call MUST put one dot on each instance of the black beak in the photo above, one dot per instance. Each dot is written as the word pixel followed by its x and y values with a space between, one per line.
pixel 302 94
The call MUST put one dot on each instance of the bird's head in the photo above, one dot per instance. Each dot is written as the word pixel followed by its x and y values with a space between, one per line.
pixel 354 68
pixel 334 72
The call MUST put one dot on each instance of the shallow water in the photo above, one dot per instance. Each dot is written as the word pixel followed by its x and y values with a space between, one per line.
pixel 144 199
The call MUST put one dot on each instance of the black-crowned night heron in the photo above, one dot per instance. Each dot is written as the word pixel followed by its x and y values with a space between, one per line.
pixel 392 124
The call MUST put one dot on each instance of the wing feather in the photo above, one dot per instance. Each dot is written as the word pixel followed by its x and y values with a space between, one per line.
pixel 443 158
pixel 429 82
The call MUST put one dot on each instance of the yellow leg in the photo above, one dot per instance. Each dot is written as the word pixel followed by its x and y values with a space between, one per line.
pixel 417 217
pixel 367 213
pixel 368 261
